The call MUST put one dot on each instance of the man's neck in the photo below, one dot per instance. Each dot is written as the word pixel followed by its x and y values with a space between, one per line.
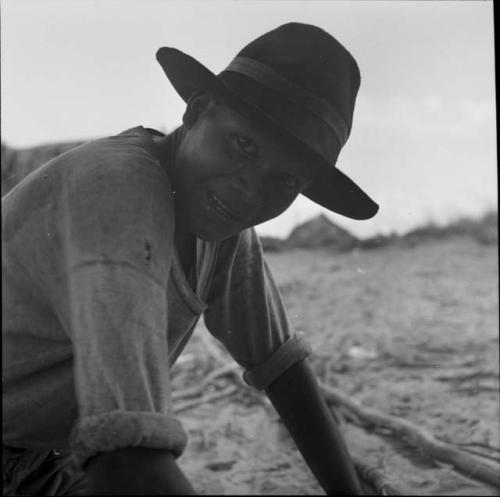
pixel 167 146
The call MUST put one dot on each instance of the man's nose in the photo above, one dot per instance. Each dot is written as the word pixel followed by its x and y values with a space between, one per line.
pixel 250 185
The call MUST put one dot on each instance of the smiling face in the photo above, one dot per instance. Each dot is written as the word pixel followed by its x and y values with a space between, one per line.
pixel 231 173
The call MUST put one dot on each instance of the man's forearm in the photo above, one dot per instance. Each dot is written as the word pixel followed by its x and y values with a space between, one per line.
pixel 136 471
pixel 300 404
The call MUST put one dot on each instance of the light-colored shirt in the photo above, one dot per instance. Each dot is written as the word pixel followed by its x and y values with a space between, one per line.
pixel 96 307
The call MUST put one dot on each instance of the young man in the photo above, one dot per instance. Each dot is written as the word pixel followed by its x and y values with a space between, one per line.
pixel 113 250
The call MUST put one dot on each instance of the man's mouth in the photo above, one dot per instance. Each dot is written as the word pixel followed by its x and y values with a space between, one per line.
pixel 221 208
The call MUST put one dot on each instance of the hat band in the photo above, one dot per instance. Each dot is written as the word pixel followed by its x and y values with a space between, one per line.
pixel 268 77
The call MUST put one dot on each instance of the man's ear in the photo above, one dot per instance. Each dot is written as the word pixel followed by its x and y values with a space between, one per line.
pixel 197 104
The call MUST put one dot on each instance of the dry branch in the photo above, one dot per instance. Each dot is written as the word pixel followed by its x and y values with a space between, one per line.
pixel 375 479
pixel 423 361
pixel 469 465
pixel 209 397
pixel 479 444
pixel 199 389
pixel 482 454
pixel 464 374
pixel 475 389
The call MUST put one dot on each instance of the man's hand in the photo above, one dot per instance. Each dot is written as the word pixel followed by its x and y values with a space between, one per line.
pixel 301 406
pixel 136 471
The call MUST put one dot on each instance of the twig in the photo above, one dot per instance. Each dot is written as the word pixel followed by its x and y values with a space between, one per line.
pixel 478 444
pixel 338 415
pixel 375 479
pixel 476 389
pixel 209 397
pixel 199 389
pixel 349 416
pixel 471 466
pixel 464 374
pixel 417 365
pixel 421 361
pixel 482 454
pixel 441 350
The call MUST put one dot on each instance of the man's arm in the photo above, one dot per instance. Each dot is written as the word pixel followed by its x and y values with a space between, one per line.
pixel 246 313
pixel 136 471
pixel 115 248
pixel 300 404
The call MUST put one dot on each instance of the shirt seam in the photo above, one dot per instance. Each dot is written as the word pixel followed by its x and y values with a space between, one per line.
pixel 128 265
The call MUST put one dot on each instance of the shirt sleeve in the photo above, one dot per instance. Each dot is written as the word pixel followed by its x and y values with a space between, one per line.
pixel 117 244
pixel 246 312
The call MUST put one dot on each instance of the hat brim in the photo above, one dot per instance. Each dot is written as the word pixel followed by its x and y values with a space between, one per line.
pixel 331 188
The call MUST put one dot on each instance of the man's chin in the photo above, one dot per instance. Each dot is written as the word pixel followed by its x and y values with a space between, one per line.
pixel 209 235
pixel 219 233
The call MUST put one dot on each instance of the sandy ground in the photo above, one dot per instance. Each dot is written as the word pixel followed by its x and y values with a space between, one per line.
pixel 410 331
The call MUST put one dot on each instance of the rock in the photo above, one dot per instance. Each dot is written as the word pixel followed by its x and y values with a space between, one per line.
pixel 272 244
pixel 320 232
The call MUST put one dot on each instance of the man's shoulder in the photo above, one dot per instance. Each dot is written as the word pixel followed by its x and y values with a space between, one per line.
pixel 126 159
pixel 113 176
pixel 130 149
pixel 116 169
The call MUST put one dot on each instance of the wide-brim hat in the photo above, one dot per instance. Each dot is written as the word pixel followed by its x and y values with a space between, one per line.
pixel 302 81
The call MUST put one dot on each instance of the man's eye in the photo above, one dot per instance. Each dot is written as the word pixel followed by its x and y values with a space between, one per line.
pixel 248 146
pixel 289 182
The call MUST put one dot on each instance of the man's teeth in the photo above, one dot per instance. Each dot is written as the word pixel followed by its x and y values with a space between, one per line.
pixel 218 204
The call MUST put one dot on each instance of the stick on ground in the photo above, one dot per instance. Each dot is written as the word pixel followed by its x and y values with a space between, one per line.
pixel 228 369
pixel 467 464
pixel 375 478
pixel 209 397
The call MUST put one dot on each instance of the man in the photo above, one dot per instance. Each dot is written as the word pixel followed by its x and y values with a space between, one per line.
pixel 113 250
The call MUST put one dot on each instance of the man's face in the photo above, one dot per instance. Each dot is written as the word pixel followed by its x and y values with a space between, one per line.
pixel 230 174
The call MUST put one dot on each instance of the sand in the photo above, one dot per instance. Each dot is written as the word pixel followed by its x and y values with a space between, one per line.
pixel 410 331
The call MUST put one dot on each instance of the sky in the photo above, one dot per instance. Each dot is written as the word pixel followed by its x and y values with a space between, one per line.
pixel 423 143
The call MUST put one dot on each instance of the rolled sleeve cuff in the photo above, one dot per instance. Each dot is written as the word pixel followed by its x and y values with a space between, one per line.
pixel 293 350
pixel 119 429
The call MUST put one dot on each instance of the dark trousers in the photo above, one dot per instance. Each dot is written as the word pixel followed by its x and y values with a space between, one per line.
pixel 40 472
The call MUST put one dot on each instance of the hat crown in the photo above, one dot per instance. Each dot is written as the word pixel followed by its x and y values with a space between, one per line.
pixel 313 59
